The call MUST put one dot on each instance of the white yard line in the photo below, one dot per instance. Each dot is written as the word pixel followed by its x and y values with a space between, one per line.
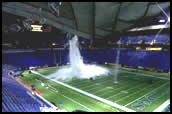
pixel 120 93
pixel 105 87
pixel 113 90
pixel 131 94
pixel 145 94
pixel 90 95
pixel 82 84
pixel 161 107
pixel 146 75
pixel 99 86
pixel 96 84
pixel 100 90
pixel 78 103
pixel 83 87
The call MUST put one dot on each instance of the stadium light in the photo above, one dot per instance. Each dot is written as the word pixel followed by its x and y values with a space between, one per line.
pixel 162 20
pixel 37 28
pixel 168 19
pixel 153 49
pixel 53 44
pixel 151 43
pixel 150 27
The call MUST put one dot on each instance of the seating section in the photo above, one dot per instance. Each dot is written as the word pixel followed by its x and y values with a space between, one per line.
pixel 15 97
pixel 12 59
pixel 31 59
pixel 162 38
pixel 158 60
pixel 28 59
pixel 46 57
pixel 62 56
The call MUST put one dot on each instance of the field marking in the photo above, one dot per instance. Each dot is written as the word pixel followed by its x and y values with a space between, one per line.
pixel 90 86
pixel 78 103
pixel 83 83
pixel 115 89
pixel 85 80
pixel 121 93
pixel 73 83
pixel 71 100
pixel 162 106
pixel 131 94
pixel 119 88
pixel 100 90
pixel 86 83
pixel 146 75
pixel 145 94
pixel 108 86
pixel 88 94
pixel 100 85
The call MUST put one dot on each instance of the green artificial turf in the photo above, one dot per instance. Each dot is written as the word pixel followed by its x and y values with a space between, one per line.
pixel 130 88
pixel 65 93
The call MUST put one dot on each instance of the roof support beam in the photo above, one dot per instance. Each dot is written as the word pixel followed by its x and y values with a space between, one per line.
pixel 93 23
pixel 76 24
pixel 93 19
pixel 116 18
pixel 9 8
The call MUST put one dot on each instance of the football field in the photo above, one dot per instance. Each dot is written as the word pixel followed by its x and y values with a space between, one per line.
pixel 140 91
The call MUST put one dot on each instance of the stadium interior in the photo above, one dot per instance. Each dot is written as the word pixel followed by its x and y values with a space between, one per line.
pixel 85 57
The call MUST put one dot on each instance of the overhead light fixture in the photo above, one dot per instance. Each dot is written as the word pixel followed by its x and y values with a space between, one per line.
pixel 150 27
pixel 53 44
pixel 151 43
pixel 168 19
pixel 153 49
pixel 37 28
pixel 162 20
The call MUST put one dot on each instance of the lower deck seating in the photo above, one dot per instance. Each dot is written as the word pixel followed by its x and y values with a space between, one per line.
pixel 15 97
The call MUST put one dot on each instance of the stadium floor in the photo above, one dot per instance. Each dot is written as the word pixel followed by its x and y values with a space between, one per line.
pixel 133 91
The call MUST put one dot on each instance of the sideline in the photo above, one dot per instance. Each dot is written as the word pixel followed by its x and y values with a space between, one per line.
pixel 146 75
pixel 161 107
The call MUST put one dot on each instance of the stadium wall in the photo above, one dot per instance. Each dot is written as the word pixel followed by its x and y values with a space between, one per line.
pixel 153 59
